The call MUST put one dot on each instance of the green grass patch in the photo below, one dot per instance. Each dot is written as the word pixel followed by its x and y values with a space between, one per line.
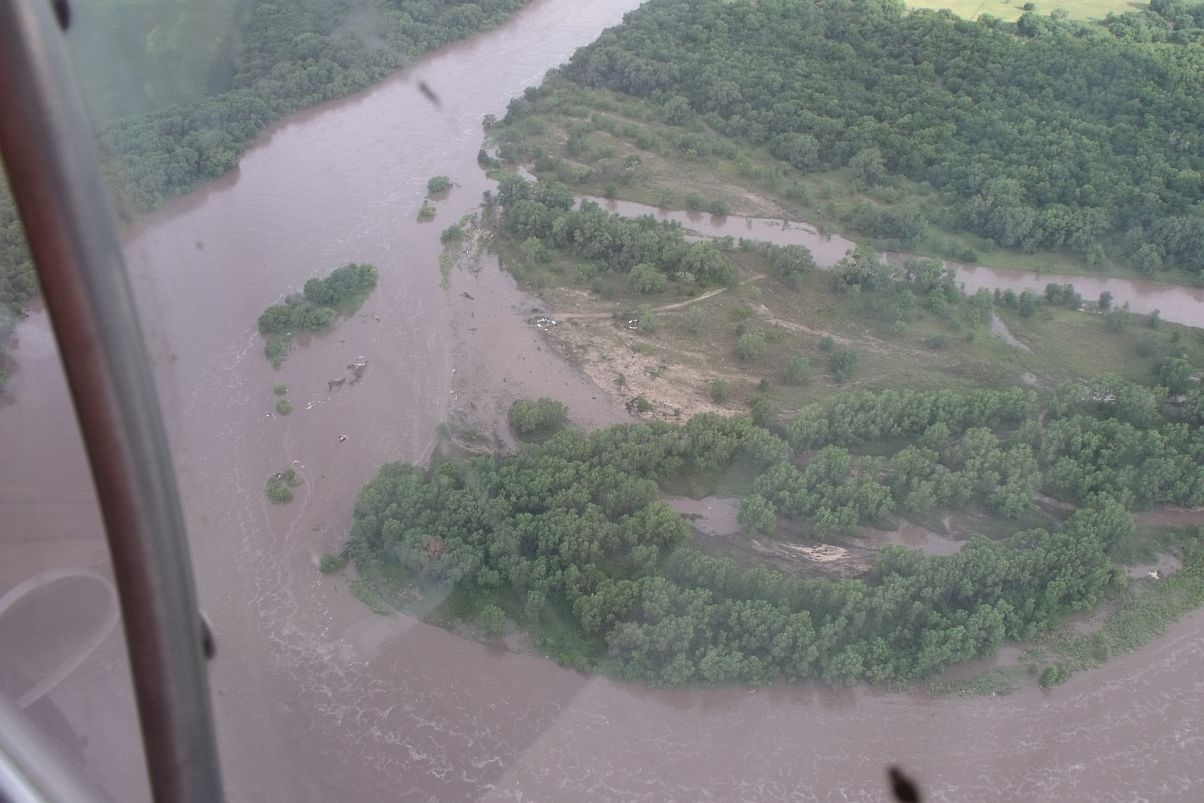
pixel 1010 10
pixel 1067 344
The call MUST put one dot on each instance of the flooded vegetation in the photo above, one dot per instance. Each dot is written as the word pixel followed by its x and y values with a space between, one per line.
pixel 318 698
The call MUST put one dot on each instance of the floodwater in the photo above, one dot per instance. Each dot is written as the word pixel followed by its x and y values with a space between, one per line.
pixel 316 699
pixel 1175 303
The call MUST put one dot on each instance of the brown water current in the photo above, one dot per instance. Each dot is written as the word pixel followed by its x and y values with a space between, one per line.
pixel 1175 303
pixel 318 700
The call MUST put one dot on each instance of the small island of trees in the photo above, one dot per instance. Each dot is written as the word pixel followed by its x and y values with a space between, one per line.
pixel 279 487
pixel 315 308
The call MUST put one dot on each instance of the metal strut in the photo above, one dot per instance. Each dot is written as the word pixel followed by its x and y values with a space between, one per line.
pixel 51 161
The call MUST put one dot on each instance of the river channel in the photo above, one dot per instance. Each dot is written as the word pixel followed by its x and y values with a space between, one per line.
pixel 318 700
pixel 1175 303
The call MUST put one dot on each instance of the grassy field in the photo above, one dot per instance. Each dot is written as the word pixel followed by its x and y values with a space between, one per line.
pixel 1011 9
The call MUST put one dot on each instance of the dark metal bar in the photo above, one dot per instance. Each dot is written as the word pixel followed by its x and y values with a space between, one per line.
pixel 55 177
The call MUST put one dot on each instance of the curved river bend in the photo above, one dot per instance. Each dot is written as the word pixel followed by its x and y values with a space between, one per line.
pixel 318 700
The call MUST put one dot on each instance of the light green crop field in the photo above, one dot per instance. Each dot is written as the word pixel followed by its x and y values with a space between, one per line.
pixel 1011 9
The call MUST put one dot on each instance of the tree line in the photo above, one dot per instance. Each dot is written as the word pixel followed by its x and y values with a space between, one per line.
pixel 544 214
pixel 1055 134
pixel 289 56
pixel 573 531
pixel 211 75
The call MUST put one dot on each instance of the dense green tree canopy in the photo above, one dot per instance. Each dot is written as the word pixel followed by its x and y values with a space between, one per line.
pixel 546 212
pixel 1046 133
pixel 574 528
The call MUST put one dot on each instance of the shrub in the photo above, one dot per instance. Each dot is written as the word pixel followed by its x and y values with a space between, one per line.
pixel 280 390
pixel 279 486
pixel 757 514
pixel 493 620
pixel 798 370
pixel 763 412
pixel 843 363
pixel 539 417
pixel 1055 675
pixel 750 346
pixel 535 606
pixel 332 562
pixel 276 349
pixel 649 322
pixel 719 390
pixel 284 407
pixel 646 279
pixel 438 184
pixel 452 234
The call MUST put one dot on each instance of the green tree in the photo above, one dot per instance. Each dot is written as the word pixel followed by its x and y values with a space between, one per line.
pixel 751 346
pixel 843 363
pixel 694 320
pixel 646 279
pixel 493 620
pixel 798 370
pixel 868 167
pixel 757 514
pixel 649 322
pixel 537 417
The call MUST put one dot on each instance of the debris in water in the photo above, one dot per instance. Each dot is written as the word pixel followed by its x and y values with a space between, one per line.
pixel 358 367
pixel 342 438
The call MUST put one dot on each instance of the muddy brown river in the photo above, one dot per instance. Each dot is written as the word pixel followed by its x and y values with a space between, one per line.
pixel 318 700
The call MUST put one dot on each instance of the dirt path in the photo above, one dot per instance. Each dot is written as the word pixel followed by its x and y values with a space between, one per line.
pixel 663 308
